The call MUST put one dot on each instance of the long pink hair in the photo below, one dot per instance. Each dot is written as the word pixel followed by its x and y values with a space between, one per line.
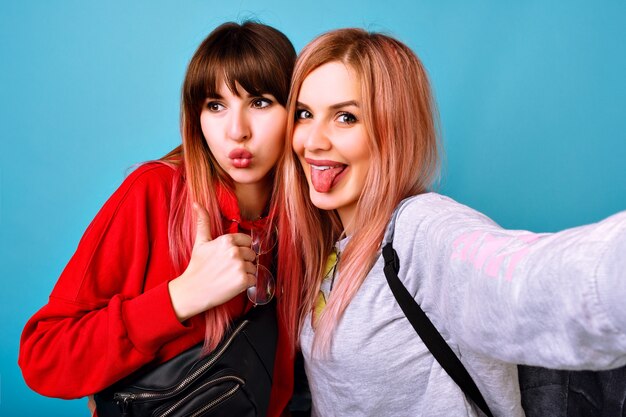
pixel 260 59
pixel 400 118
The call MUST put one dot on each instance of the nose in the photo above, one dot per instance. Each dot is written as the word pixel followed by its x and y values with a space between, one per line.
pixel 238 128
pixel 317 138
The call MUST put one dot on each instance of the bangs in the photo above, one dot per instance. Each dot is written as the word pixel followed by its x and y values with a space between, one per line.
pixel 256 67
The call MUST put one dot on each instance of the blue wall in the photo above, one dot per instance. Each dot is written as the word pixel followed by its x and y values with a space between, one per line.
pixel 532 100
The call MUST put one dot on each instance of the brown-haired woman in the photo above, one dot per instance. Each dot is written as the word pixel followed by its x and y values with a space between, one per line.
pixel 167 261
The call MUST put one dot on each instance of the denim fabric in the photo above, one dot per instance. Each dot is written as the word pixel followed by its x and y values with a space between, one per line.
pixel 552 393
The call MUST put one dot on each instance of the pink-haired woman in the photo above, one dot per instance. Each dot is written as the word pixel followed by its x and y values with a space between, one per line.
pixel 167 261
pixel 365 152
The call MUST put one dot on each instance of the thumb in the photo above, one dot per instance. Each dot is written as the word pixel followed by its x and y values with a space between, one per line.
pixel 203 226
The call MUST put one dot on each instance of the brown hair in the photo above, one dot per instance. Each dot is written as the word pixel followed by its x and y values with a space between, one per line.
pixel 260 59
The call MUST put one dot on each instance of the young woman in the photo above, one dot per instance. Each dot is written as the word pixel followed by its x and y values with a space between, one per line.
pixel 365 152
pixel 167 261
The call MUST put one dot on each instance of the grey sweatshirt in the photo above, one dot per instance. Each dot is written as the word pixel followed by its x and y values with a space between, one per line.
pixel 498 297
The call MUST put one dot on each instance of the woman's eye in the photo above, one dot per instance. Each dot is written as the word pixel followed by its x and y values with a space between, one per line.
pixel 346 118
pixel 261 103
pixel 214 106
pixel 303 114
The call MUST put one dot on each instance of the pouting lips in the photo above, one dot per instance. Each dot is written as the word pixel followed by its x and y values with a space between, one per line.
pixel 241 158
pixel 323 177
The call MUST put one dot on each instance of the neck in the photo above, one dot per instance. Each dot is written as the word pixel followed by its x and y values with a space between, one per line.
pixel 346 215
pixel 252 199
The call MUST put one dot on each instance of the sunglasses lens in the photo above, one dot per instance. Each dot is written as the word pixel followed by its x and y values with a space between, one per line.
pixel 263 292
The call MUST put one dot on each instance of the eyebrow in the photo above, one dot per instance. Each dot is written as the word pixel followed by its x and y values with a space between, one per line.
pixel 334 106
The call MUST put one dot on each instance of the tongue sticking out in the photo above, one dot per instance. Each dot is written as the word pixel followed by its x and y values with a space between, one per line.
pixel 323 179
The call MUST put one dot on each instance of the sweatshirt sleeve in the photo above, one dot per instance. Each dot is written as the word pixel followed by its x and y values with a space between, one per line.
pixel 104 319
pixel 554 299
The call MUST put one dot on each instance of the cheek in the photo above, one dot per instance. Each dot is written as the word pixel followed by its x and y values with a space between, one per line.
pixel 207 128
pixel 297 141
pixel 357 147
pixel 274 128
pixel 363 171
pixel 203 125
pixel 364 165
pixel 275 138
pixel 363 158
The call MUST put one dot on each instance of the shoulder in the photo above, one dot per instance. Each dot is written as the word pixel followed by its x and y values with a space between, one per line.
pixel 145 193
pixel 148 181
pixel 432 204
pixel 151 175
pixel 432 213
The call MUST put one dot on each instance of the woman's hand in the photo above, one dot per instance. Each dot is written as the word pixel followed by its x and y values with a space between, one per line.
pixel 219 269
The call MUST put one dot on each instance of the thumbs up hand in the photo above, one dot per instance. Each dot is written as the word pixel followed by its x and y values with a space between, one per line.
pixel 218 270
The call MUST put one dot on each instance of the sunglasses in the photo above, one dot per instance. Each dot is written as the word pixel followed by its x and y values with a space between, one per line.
pixel 263 242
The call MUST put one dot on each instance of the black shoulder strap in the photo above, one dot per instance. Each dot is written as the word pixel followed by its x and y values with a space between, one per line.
pixel 428 333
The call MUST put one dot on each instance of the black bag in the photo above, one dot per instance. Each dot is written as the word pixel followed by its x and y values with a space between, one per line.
pixel 234 380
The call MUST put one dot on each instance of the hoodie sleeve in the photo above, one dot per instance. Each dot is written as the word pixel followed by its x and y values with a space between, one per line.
pixel 110 311
pixel 552 299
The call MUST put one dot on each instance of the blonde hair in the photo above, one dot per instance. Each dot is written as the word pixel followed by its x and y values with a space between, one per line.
pixel 400 119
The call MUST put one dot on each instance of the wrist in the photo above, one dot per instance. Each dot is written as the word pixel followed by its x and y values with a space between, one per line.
pixel 182 299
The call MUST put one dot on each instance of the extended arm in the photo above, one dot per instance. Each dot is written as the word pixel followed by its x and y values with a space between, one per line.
pixel 544 299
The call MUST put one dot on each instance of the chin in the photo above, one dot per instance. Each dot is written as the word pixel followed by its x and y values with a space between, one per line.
pixel 247 177
pixel 323 201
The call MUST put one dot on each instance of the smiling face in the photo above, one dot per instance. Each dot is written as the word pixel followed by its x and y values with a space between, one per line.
pixel 245 134
pixel 330 139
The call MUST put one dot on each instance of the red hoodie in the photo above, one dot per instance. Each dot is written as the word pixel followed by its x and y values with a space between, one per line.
pixel 110 311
